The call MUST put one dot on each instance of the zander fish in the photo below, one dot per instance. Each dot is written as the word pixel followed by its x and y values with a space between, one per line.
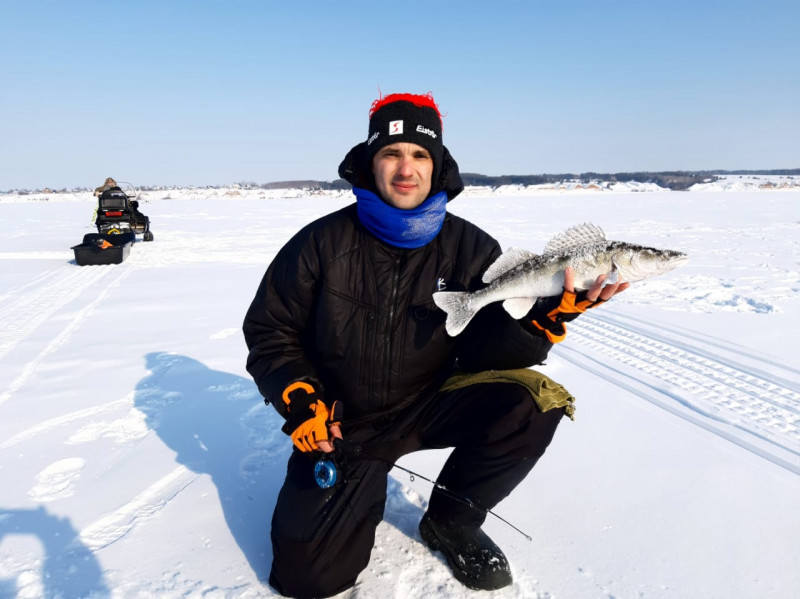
pixel 518 277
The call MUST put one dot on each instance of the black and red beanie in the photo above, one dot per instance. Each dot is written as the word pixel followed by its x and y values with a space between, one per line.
pixel 411 118
pixel 403 118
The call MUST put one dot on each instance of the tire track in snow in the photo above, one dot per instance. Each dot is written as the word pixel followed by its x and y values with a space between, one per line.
pixel 22 311
pixel 36 281
pixel 715 373
pixel 112 527
pixel 653 394
pixel 30 368
pixel 740 403
pixel 704 338
pixel 47 425
pixel 788 376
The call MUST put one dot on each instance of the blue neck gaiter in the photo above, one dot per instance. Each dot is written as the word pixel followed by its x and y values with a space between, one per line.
pixel 401 228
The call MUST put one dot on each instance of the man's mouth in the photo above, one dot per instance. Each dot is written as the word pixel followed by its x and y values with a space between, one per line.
pixel 404 186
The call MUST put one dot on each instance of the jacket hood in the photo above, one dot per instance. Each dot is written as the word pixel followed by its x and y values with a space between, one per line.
pixel 356 170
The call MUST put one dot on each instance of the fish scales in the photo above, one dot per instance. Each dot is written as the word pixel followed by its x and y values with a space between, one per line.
pixel 519 283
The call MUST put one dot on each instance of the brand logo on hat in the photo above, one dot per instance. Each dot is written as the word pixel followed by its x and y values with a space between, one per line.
pixel 373 137
pixel 395 127
pixel 426 131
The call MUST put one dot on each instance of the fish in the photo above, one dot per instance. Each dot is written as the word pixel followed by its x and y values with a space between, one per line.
pixel 519 277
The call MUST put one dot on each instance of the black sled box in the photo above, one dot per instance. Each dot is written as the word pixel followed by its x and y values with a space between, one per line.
pixel 99 249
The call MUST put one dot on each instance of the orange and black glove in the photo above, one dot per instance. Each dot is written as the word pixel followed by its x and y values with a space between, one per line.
pixel 308 416
pixel 550 313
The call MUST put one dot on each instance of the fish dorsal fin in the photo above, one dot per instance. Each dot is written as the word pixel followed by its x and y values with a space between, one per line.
pixel 511 258
pixel 577 236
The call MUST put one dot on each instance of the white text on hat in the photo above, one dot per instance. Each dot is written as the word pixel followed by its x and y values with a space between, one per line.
pixel 426 131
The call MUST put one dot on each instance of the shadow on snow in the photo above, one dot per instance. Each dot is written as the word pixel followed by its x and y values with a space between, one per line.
pixel 69 569
pixel 217 424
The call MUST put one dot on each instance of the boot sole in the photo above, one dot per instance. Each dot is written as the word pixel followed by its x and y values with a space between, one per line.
pixel 431 539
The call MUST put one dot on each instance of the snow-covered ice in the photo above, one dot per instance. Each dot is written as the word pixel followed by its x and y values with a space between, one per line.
pixel 137 458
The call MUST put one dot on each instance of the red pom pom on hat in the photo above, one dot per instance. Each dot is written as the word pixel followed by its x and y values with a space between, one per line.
pixel 421 100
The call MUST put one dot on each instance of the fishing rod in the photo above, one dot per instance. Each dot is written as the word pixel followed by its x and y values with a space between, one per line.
pixel 326 475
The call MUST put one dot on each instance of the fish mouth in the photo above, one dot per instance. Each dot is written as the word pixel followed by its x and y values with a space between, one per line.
pixel 675 261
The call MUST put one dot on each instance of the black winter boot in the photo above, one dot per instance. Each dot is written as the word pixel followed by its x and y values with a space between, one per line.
pixel 473 557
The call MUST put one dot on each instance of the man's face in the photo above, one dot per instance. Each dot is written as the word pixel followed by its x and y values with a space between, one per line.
pixel 403 174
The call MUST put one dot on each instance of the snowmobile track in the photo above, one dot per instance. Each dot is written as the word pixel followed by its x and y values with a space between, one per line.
pixel 111 527
pixel 23 311
pixel 45 304
pixel 787 373
pixel 743 403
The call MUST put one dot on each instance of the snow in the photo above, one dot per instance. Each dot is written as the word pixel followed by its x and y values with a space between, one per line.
pixel 138 460
pixel 750 183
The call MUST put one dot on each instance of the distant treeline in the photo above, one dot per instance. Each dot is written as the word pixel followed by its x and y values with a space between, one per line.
pixel 675 180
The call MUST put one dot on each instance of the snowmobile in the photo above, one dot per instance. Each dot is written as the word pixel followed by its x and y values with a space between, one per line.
pixel 117 213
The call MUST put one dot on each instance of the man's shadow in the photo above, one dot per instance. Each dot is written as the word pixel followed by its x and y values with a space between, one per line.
pixel 68 569
pixel 217 424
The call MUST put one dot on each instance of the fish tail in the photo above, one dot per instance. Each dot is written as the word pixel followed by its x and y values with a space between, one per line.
pixel 456 305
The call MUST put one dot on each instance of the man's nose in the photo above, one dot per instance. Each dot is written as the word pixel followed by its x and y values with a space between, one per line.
pixel 405 167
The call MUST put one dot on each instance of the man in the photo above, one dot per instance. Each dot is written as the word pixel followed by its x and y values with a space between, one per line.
pixel 346 343
pixel 109 183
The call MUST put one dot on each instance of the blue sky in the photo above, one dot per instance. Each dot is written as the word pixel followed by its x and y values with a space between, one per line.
pixel 219 92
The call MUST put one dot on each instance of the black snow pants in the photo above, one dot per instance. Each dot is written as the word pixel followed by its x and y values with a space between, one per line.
pixel 322 538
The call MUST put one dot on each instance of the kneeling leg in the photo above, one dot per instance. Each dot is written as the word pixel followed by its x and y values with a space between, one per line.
pixel 322 538
pixel 499 434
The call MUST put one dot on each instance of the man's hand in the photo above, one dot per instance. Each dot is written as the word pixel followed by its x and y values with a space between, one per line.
pixel 597 293
pixel 311 423
pixel 335 431
pixel 549 314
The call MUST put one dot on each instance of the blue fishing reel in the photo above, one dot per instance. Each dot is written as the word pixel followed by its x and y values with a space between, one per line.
pixel 325 473
pixel 331 468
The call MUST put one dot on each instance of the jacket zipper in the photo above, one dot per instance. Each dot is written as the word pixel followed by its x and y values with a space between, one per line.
pixel 390 332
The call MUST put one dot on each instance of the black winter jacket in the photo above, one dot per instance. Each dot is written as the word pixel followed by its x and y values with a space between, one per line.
pixel 339 306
